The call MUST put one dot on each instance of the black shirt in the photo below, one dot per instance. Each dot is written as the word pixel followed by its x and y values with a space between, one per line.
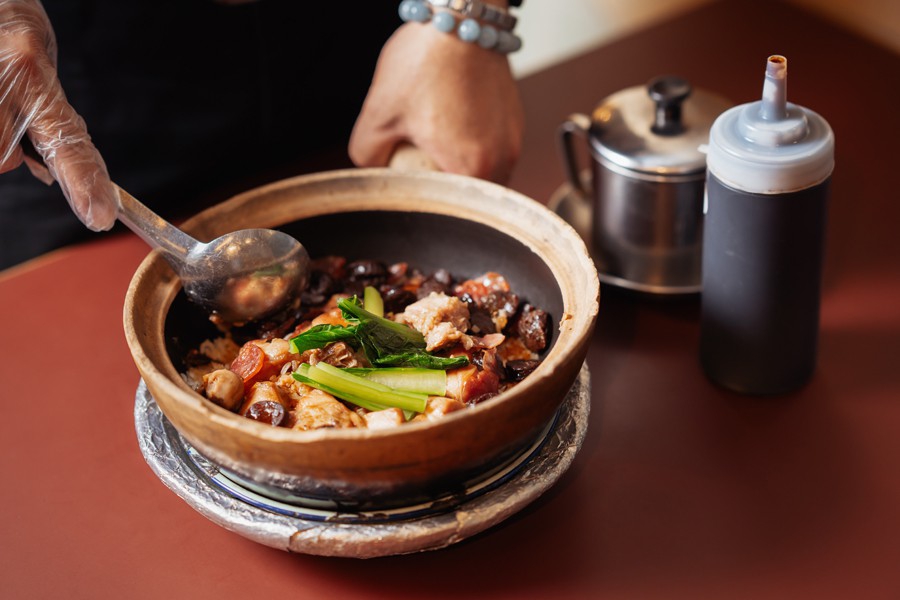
pixel 190 101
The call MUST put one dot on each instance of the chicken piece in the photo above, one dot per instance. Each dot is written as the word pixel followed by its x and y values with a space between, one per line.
pixel 438 407
pixel 441 319
pixel 491 340
pixel 315 409
pixel 385 419
pixel 290 387
pixel 225 388
pixel 277 351
pixel 212 355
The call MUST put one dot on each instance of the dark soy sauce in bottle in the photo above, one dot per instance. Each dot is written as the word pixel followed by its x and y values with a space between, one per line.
pixel 768 171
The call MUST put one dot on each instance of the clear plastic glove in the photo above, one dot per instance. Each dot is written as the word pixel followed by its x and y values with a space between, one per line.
pixel 455 101
pixel 33 103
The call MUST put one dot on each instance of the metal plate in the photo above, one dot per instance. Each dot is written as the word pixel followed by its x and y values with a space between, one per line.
pixel 322 531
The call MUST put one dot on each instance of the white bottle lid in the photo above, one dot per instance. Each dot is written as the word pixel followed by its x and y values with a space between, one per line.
pixel 771 146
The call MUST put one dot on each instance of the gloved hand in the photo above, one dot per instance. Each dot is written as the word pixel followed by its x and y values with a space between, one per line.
pixel 33 103
pixel 455 101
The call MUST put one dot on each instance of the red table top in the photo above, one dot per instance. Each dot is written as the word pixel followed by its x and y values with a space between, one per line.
pixel 681 489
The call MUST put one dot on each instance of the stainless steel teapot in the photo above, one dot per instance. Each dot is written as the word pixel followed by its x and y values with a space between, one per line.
pixel 646 184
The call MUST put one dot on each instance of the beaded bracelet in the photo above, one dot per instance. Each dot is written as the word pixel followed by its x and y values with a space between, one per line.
pixel 487 13
pixel 469 30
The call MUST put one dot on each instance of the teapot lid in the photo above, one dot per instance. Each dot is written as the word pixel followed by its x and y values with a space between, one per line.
pixel 660 128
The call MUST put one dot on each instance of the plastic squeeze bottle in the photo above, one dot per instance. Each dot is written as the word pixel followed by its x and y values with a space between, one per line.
pixel 769 166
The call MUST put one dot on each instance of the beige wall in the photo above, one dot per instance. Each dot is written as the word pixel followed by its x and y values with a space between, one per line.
pixel 554 30
pixel 879 20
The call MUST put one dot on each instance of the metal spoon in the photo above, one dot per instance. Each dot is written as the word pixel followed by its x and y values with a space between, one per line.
pixel 241 276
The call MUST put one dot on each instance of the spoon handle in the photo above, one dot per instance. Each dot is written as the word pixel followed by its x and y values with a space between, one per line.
pixel 153 229
pixel 150 227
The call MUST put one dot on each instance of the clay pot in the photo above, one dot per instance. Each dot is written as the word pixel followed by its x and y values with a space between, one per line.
pixel 431 220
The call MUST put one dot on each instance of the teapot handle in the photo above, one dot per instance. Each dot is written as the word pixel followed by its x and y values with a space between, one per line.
pixel 580 124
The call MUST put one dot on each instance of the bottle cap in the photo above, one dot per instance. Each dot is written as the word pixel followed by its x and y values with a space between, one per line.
pixel 771 146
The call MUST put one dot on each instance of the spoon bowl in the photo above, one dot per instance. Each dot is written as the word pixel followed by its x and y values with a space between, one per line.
pixel 239 277
pixel 246 274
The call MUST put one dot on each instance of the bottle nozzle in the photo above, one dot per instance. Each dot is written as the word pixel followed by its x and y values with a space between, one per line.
pixel 770 146
pixel 772 121
pixel 774 97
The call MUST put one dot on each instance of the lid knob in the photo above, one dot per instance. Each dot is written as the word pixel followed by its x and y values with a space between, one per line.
pixel 668 92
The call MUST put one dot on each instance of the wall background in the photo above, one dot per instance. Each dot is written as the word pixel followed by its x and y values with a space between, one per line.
pixel 554 30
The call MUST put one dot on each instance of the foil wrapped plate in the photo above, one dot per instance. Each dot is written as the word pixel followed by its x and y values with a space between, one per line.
pixel 314 527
